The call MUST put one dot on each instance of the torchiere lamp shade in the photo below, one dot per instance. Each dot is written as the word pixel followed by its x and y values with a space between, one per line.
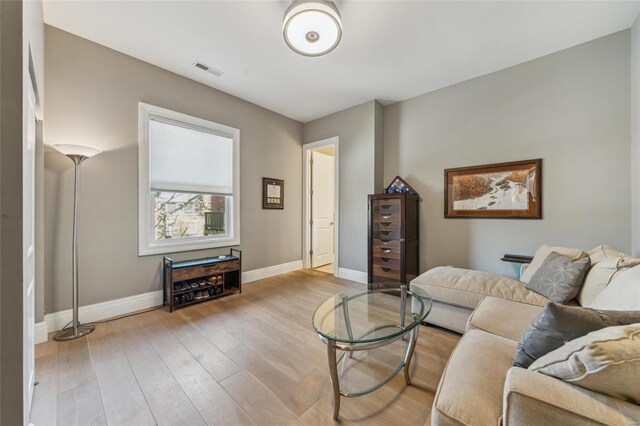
pixel 79 150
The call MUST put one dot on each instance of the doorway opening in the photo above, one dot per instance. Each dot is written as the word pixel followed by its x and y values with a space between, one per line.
pixel 320 164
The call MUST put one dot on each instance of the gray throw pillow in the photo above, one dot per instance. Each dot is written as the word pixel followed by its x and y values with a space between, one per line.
pixel 559 278
pixel 558 324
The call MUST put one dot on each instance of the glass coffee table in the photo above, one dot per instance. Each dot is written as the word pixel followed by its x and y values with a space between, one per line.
pixel 361 320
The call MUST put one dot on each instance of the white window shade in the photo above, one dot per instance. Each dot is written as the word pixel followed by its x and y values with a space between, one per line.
pixel 189 160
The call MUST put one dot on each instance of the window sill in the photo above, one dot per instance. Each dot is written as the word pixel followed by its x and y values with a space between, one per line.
pixel 176 247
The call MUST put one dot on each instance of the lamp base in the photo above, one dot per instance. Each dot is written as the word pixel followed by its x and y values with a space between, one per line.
pixel 68 334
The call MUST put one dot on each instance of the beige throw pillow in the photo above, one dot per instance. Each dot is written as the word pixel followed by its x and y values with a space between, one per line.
pixel 541 255
pixel 605 361
pixel 622 293
pixel 607 262
pixel 597 279
pixel 604 252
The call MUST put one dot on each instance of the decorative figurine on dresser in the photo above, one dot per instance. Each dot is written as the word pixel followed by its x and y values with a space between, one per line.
pixel 394 250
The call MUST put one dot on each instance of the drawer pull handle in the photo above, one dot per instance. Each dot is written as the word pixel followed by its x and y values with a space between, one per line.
pixel 385 242
pixel 386 206
pixel 385 232
pixel 385 224
pixel 386 216
pixel 385 259
pixel 386 250
pixel 385 269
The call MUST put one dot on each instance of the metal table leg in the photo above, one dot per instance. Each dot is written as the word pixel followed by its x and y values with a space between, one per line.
pixel 347 320
pixel 409 355
pixel 333 370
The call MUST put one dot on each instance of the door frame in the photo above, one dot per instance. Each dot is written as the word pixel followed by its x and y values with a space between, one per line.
pixel 306 200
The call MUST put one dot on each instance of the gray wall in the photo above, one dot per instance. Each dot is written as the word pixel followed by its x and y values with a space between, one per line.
pixel 635 135
pixel 571 109
pixel 379 147
pixel 356 129
pixel 92 98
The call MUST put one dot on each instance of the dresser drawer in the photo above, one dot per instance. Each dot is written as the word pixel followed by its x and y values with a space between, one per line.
pixel 389 272
pixel 386 248
pixel 389 206
pixel 386 261
pixel 385 273
pixel 385 233
pixel 385 212
pixel 386 217
pixel 386 243
pixel 206 270
pixel 385 224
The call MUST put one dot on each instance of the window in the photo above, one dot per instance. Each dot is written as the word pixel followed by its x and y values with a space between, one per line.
pixel 188 182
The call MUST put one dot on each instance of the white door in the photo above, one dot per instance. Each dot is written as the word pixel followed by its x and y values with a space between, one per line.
pixel 322 208
pixel 28 247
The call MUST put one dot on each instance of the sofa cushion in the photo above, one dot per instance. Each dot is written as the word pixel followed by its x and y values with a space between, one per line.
pixel 597 279
pixel 558 324
pixel 559 278
pixel 606 361
pixel 505 318
pixel 470 390
pixel 622 293
pixel 466 288
pixel 542 253
pixel 532 398
pixel 607 262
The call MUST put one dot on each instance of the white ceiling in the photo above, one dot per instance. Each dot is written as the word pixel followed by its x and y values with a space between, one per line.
pixel 390 50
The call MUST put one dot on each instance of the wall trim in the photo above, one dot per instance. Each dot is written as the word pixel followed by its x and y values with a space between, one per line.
pixel 270 271
pixel 104 310
pixel 353 275
pixel 41 332
pixel 127 305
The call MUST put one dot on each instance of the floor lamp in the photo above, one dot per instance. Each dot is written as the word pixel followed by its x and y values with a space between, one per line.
pixel 77 153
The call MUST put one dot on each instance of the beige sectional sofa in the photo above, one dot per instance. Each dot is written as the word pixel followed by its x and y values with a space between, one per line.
pixel 457 292
pixel 479 385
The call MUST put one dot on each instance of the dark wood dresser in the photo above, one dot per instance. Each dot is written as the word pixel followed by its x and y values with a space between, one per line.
pixel 394 250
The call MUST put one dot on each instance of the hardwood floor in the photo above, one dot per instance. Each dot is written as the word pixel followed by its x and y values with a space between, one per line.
pixel 247 359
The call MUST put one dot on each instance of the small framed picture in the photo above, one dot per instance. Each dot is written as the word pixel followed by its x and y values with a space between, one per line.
pixel 272 193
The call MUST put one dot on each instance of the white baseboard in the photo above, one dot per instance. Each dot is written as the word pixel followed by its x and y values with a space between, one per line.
pixel 270 271
pixel 126 305
pixel 41 332
pixel 350 274
pixel 104 310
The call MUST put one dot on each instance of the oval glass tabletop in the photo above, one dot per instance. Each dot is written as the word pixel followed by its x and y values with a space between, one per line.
pixel 364 316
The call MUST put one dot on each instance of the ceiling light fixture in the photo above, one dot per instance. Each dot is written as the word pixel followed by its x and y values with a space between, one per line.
pixel 312 27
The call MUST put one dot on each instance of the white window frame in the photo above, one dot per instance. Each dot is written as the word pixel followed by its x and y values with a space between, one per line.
pixel 147 245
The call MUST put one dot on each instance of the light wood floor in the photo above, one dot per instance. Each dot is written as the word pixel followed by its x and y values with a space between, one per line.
pixel 249 359
pixel 327 269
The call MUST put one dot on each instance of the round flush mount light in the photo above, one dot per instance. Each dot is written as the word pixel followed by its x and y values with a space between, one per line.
pixel 312 28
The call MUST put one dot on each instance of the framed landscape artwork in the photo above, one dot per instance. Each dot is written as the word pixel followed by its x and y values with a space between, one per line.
pixel 494 191
pixel 272 193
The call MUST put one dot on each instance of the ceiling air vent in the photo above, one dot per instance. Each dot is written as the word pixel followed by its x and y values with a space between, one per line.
pixel 207 68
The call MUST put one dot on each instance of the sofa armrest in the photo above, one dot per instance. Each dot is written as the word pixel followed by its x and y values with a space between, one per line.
pixel 533 398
